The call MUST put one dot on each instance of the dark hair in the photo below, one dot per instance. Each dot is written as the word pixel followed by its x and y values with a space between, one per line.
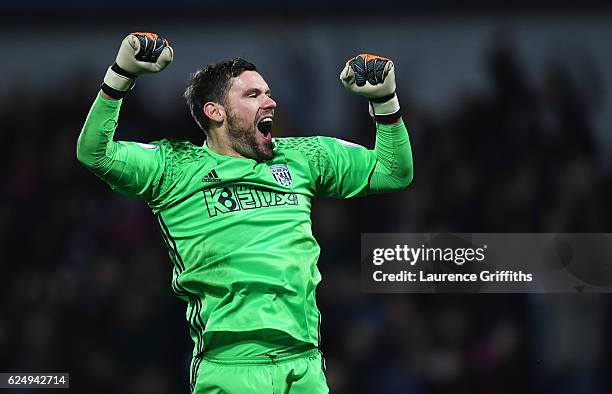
pixel 211 83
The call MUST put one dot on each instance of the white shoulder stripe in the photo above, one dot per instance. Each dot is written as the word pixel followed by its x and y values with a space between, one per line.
pixel 347 143
pixel 146 146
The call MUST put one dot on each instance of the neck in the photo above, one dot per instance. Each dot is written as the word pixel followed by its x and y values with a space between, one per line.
pixel 218 144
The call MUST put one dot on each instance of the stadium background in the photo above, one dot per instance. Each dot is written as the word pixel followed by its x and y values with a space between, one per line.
pixel 510 118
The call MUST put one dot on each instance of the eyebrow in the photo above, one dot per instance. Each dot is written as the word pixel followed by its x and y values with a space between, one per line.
pixel 257 90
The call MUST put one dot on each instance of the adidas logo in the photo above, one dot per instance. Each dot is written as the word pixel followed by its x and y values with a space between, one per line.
pixel 211 177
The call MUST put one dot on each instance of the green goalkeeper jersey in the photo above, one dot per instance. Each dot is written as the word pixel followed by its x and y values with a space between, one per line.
pixel 238 231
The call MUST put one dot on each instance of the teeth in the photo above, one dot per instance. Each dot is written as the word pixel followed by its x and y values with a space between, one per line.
pixel 266 119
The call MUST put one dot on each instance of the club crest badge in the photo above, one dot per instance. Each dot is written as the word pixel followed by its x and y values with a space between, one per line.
pixel 281 174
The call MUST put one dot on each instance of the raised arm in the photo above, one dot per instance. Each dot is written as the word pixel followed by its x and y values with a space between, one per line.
pixel 128 167
pixel 348 170
pixel 374 77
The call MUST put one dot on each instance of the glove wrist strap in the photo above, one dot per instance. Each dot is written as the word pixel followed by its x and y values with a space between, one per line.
pixel 117 82
pixel 383 99
pixel 387 111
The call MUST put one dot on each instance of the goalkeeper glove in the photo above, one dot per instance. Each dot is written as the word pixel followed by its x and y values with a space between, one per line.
pixel 139 53
pixel 373 77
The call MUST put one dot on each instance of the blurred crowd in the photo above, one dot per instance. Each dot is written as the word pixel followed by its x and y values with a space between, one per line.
pixel 85 279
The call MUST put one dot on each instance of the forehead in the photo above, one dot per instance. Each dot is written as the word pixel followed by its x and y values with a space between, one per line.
pixel 246 81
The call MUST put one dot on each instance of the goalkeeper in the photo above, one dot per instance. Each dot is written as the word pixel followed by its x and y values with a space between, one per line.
pixel 235 212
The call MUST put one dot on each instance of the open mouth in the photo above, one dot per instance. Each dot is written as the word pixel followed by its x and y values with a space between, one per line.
pixel 264 126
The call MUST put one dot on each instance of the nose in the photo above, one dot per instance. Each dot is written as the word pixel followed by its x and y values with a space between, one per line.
pixel 269 103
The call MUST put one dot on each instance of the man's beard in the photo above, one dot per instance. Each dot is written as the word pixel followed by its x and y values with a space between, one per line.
pixel 244 142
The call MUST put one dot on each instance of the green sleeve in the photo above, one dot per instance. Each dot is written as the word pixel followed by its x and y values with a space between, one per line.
pixel 352 170
pixel 394 168
pixel 130 168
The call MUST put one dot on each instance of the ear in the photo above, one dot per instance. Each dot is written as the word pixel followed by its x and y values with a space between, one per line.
pixel 214 111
